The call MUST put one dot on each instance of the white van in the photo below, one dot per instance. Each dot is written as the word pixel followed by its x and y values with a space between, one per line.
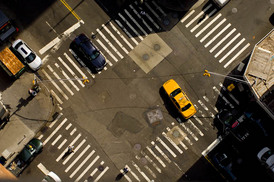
pixel 51 177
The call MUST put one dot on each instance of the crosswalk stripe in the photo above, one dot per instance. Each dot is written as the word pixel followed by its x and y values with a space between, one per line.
pixel 183 145
pixel 56 97
pixel 236 55
pixel 96 169
pixel 55 131
pixel 161 152
pixel 196 128
pixel 71 144
pixel 149 17
pixel 57 118
pixel 223 87
pixel 170 151
pixel 212 30
pixel 207 100
pixel 71 72
pixel 187 16
pixel 223 39
pixel 189 131
pixel 172 143
pixel 140 171
pixel 132 173
pixel 199 15
pixel 231 50
pixel 125 175
pixel 73 64
pixel 56 140
pixel 228 44
pixel 82 163
pixel 216 36
pixel 203 105
pixel 106 49
pixel 150 171
pixel 69 125
pixel 149 160
pixel 159 8
pixel 110 44
pixel 136 23
pixel 62 144
pixel 55 85
pixel 40 137
pixel 74 151
pixel 78 157
pixel 122 37
pixel 207 17
pixel 198 120
pixel 60 80
pixel 125 30
pixel 143 21
pixel 67 77
pixel 223 97
pixel 87 168
pixel 156 157
pixel 153 12
pixel 130 26
pixel 210 23
pixel 73 131
pixel 101 174
pixel 115 39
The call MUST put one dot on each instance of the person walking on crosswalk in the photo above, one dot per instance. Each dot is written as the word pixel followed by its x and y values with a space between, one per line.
pixel 70 149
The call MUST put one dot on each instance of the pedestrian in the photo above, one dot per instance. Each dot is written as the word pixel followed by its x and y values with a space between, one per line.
pixel 125 170
pixel 32 92
pixel 143 13
pixel 70 149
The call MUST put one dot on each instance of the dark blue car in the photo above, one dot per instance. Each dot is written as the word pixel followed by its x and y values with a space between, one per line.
pixel 87 54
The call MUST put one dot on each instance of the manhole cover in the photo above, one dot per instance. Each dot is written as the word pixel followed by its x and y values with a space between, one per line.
pixel 166 21
pixel 137 146
pixel 145 57
pixel 234 10
pixel 90 179
pixel 101 168
pixel 143 160
pixel 157 47
pixel 175 15
pixel 176 133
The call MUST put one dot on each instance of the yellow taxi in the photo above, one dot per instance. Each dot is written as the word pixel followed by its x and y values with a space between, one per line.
pixel 179 98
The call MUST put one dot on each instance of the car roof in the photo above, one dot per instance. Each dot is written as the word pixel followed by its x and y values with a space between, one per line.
pixel 83 41
pixel 23 49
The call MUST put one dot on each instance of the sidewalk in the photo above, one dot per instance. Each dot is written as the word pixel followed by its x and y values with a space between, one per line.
pixel 28 115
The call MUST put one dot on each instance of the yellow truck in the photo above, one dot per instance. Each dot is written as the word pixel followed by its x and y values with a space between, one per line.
pixel 10 63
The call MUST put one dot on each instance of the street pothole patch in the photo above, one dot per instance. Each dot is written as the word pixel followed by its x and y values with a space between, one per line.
pixel 123 122
pixel 176 135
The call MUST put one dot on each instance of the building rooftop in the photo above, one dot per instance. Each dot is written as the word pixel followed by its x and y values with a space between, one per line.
pixel 260 72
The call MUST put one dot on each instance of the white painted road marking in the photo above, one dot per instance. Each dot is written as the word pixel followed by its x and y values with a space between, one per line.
pixel 43 168
pixel 71 144
pixel 78 157
pixel 55 131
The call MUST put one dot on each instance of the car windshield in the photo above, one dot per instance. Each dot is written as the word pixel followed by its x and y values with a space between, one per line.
pixel 266 155
pixel 94 54
pixel 30 57
pixel 175 92
pixel 186 107
pixel 18 45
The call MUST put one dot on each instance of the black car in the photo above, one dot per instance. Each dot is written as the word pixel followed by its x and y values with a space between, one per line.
pixel 87 54
pixel 232 125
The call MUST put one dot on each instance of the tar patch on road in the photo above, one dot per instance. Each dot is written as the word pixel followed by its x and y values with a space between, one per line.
pixel 123 122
